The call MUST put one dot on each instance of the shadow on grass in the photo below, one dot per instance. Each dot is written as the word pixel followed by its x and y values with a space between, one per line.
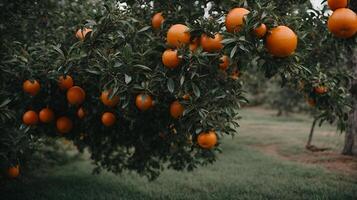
pixel 69 187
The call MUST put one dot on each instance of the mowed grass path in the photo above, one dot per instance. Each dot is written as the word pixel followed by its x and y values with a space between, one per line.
pixel 241 172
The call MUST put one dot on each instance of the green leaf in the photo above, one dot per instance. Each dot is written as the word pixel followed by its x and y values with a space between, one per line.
pixel 144 29
pixel 170 85
pixel 196 90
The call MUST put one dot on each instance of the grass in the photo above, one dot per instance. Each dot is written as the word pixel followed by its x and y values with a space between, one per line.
pixel 241 172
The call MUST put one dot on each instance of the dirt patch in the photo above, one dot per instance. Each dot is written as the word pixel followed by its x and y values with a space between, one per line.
pixel 331 160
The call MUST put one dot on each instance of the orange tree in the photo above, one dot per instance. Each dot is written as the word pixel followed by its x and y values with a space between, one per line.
pixel 151 85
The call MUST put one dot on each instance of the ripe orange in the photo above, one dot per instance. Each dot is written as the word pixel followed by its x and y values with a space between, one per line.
pixel 260 31
pixel 224 62
pixel 235 19
pixel 104 97
pixel 32 87
pixel 170 59
pixel 176 109
pixel 311 102
pixel 194 44
pixel 30 118
pixel 143 102
pixel 186 97
pixel 320 89
pixel 212 44
pixel 343 23
pixel 108 119
pixel 235 75
pixel 207 140
pixel 81 33
pixel 76 95
pixel 157 20
pixel 81 113
pixel 13 172
pixel 64 125
pixel 178 35
pixel 281 41
pixel 46 115
pixel 65 82
pixel 336 4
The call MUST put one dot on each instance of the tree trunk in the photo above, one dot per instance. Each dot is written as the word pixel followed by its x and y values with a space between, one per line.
pixel 350 146
pixel 308 143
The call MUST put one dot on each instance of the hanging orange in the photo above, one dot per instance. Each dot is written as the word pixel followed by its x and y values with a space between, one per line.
pixel 212 44
pixel 178 35
pixel 343 23
pixel 260 31
pixel 224 62
pixel 281 41
pixel 64 125
pixel 207 140
pixel 13 172
pixel 46 115
pixel 65 82
pixel 81 113
pixel 108 119
pixel 320 89
pixel 32 87
pixel 170 59
pixel 76 95
pixel 30 118
pixel 176 109
pixel 81 33
pixel 311 102
pixel 235 19
pixel 110 102
pixel 336 4
pixel 157 20
pixel 143 102
pixel 194 44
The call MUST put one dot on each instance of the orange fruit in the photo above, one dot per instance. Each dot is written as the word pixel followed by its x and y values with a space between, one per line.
pixel 311 102
pixel 343 23
pixel 64 125
pixel 76 95
pixel 32 87
pixel 194 44
pixel 178 35
pixel 281 41
pixel 212 44
pixel 143 102
pixel 108 119
pixel 260 31
pixel 336 4
pixel 157 20
pixel 30 118
pixel 13 172
pixel 81 33
pixel 81 113
pixel 224 62
pixel 186 97
pixel 235 75
pixel 65 82
pixel 320 89
pixel 176 109
pixel 46 115
pixel 235 19
pixel 170 59
pixel 110 102
pixel 207 140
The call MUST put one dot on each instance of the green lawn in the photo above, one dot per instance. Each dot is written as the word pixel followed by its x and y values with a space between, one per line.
pixel 241 172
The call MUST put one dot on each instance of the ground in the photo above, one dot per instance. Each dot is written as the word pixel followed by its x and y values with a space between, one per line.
pixel 266 160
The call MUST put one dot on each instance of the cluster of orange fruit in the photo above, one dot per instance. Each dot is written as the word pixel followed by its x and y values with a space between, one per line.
pixel 281 42
pixel 343 21
pixel 75 96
